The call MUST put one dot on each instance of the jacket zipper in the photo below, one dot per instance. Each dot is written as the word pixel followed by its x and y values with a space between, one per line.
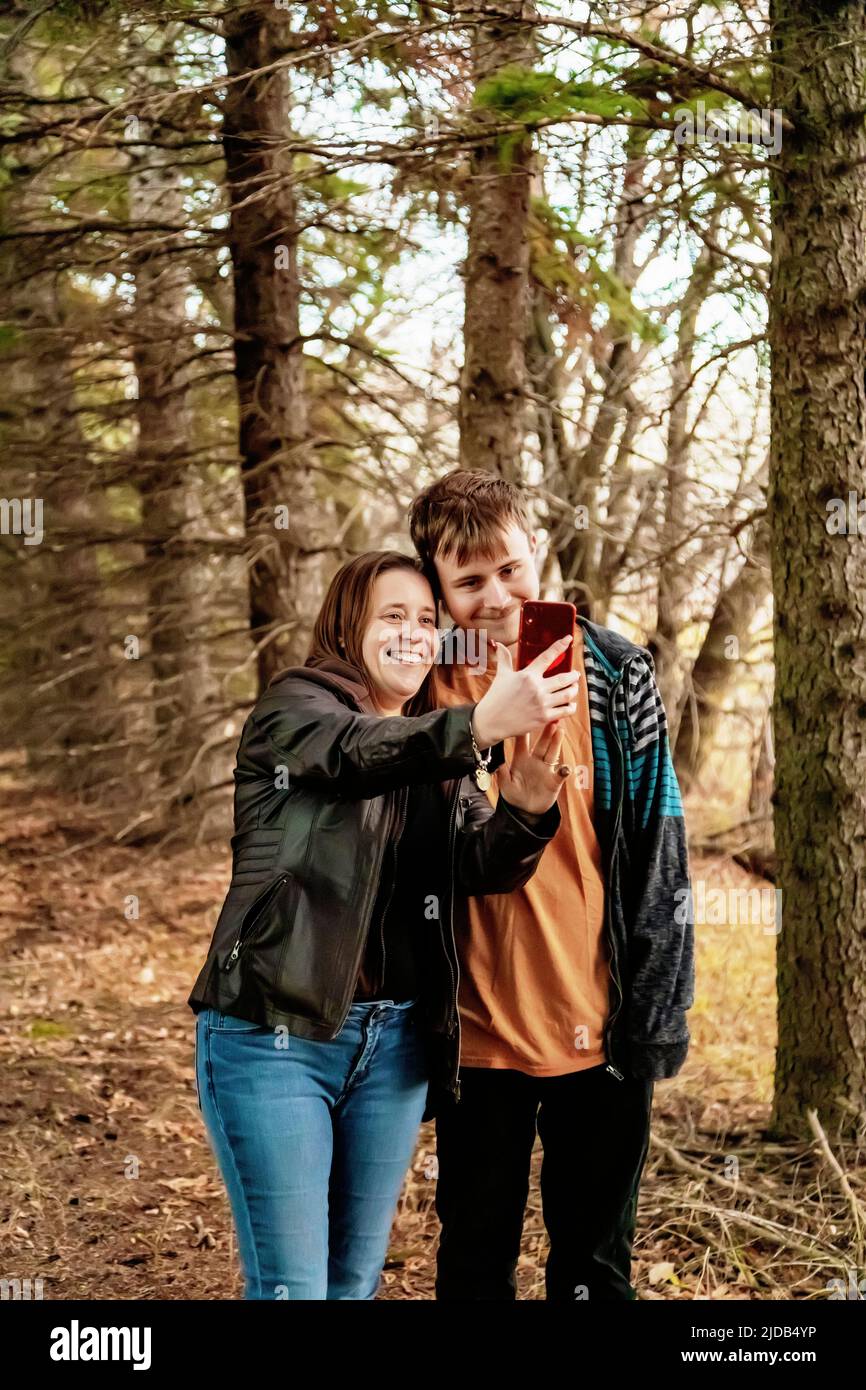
pixel 371 898
pixel 257 906
pixel 392 838
pixel 611 714
pixel 454 1021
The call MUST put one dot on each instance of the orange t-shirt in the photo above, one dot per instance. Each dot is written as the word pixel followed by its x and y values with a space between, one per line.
pixel 534 972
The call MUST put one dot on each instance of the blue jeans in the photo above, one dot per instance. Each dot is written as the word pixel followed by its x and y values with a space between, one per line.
pixel 313 1140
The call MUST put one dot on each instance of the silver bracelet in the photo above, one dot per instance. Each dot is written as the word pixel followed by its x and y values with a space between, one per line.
pixel 482 776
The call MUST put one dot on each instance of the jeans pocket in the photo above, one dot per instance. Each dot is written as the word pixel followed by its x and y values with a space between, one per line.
pixel 228 1023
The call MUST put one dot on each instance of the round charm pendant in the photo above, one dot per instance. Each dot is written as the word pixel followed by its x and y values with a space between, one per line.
pixel 482 777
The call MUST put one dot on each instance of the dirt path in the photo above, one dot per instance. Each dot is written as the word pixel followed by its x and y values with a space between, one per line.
pixel 109 1187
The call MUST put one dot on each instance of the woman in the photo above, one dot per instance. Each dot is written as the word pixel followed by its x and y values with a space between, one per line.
pixel 327 1005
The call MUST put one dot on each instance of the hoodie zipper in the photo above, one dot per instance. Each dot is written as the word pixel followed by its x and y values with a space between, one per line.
pixel 611 714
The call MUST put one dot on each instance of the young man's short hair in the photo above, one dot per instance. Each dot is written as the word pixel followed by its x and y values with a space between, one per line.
pixel 464 514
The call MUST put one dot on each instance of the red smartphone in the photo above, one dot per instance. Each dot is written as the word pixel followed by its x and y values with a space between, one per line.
pixel 541 624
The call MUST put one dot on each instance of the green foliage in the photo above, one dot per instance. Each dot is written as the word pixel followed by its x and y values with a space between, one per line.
pixel 555 251
pixel 87 196
pixel 715 104
pixel 87 11
pixel 524 94
pixel 758 76
pixel 708 97
pixel 57 22
pixel 331 188
pixel 47 1028
pixel 9 336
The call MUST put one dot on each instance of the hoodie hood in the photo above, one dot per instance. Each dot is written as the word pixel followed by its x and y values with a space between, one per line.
pixel 334 673
pixel 613 646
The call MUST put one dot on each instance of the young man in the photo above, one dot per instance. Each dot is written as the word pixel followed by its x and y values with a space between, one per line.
pixel 573 990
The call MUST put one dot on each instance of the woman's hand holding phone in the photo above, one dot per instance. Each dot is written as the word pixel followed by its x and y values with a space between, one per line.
pixel 524 702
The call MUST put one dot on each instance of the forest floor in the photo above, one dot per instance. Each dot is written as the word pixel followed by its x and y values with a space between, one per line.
pixel 110 1190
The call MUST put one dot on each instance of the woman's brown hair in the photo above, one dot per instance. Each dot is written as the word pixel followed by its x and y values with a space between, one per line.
pixel 346 610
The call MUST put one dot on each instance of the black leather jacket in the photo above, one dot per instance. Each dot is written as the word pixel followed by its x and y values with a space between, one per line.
pixel 320 786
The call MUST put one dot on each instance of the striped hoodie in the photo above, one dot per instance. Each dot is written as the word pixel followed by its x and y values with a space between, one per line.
pixel 638 817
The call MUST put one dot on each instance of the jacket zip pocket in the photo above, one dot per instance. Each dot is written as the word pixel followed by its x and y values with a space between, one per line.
pixel 256 908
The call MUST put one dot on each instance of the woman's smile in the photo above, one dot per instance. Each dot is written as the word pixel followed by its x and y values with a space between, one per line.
pixel 399 642
pixel 413 658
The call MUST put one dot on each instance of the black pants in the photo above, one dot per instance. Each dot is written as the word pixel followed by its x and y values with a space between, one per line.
pixel 594 1130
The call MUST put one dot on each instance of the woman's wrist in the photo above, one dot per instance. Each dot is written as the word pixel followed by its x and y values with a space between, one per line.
pixel 478 731
pixel 531 817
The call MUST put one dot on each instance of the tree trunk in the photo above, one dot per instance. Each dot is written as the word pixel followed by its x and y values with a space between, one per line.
pixel 491 411
pixel 288 525
pixel 190 757
pixel 818 420
pixel 580 557
pixel 53 626
pixel 763 771
pixel 675 565
pixel 719 658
